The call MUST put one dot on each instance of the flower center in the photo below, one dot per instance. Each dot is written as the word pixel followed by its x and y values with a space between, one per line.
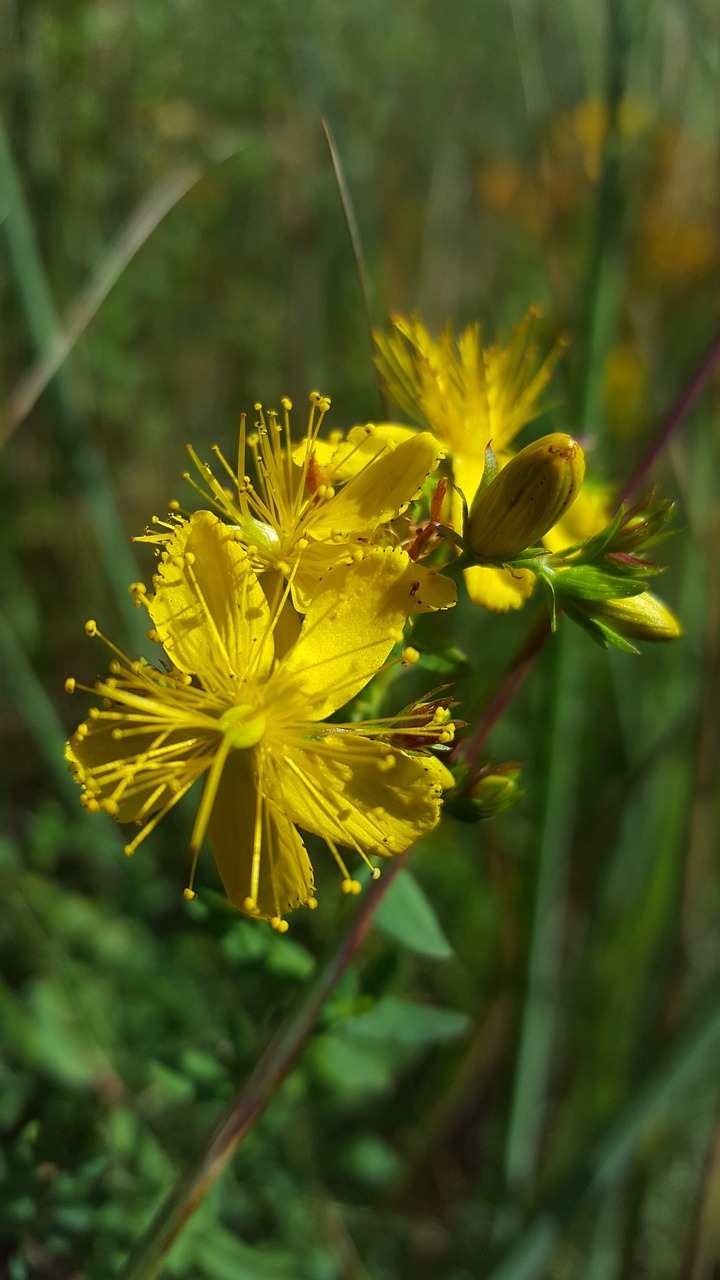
pixel 242 727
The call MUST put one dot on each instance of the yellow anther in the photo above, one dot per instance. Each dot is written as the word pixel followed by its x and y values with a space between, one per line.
pixel 351 887
pixel 249 904
pixel 395 635
pixel 311 903
pixel 173 505
pixel 115 667
pixel 110 806
pixel 189 557
pixel 286 403
pixel 375 873
pixel 81 732
pixel 302 544
pixel 129 850
pixel 189 895
pixel 410 655
pixel 93 805
pixel 70 684
pixel 91 628
pixel 358 555
pixel 329 492
pixel 386 763
pixel 153 635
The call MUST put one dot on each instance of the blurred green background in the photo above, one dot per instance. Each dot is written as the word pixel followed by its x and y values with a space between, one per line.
pixel 519 1077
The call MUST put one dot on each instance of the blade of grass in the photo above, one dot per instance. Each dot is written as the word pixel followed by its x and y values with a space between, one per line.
pixel 55 349
pixel 355 244
pixel 26 692
pixel 694 1052
pixel 85 462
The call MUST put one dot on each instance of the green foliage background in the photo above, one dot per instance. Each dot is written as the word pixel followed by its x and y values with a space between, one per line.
pixel 519 1076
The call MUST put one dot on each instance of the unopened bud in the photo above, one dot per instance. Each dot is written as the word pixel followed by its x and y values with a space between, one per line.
pixel 493 790
pixel 641 617
pixel 525 499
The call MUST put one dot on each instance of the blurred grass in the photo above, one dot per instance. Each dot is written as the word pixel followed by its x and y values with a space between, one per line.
pixel 512 155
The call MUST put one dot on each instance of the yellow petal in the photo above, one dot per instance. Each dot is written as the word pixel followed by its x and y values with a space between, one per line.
pixel 285 874
pixel 315 562
pixel 105 762
pixel 209 608
pixel 467 474
pixel 356 616
pixel 357 792
pixel 339 460
pixel 287 625
pixel 429 589
pixel 498 589
pixel 383 488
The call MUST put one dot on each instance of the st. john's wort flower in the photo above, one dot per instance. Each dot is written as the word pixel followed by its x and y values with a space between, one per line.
pixel 244 707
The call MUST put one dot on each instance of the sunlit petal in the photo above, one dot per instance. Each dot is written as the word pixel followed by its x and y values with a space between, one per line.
pixel 209 608
pixel 361 793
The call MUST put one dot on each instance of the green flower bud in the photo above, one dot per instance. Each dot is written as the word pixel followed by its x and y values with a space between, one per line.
pixel 641 617
pixel 490 792
pixel 525 499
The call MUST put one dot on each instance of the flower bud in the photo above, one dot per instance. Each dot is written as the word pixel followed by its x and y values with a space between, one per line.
pixel 641 617
pixel 525 499
pixel 490 792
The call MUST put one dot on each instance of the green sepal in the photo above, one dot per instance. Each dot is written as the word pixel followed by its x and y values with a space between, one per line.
pixel 591 582
pixel 599 631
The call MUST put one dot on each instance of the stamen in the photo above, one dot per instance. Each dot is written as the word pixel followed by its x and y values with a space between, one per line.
pixel 189 893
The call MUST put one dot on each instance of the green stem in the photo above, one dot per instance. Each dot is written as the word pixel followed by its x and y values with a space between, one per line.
pixel 537 1036
pixel 605 274
pixel 254 1096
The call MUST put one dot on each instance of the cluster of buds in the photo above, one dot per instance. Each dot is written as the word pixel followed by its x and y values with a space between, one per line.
pixel 601 583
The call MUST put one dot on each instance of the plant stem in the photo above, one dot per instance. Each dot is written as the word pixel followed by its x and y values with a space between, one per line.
pixel 673 419
pixel 253 1097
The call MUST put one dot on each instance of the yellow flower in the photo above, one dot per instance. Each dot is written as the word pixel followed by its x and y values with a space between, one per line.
pixel 303 518
pixel 244 708
pixel 469 395
pixel 473 396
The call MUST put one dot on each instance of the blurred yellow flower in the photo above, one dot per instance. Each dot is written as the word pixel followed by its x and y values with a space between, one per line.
pixel 303 518
pixel 244 707
pixel 471 397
